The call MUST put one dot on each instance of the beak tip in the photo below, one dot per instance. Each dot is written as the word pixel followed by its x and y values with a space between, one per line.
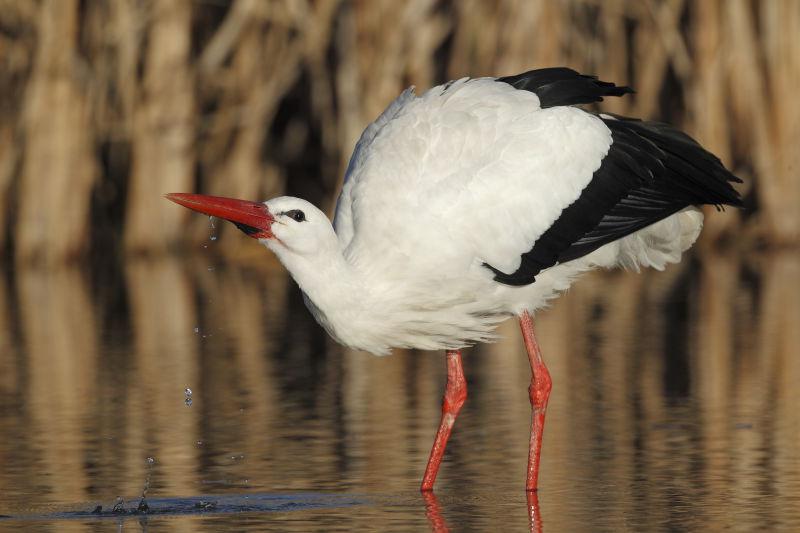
pixel 251 217
pixel 180 198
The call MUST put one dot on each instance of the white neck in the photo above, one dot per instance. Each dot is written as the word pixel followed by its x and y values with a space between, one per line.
pixel 334 292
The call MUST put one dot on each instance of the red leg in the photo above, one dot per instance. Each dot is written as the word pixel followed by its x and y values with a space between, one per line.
pixel 539 392
pixel 455 395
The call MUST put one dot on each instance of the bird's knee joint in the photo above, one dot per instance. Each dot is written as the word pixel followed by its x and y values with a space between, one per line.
pixel 539 392
pixel 453 400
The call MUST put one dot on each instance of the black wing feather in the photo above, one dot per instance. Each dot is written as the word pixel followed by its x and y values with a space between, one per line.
pixel 563 86
pixel 650 172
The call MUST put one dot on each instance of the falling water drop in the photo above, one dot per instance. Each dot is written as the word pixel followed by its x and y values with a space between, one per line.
pixel 188 399
pixel 212 230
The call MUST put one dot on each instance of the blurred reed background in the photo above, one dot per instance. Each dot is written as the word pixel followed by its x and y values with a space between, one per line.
pixel 109 104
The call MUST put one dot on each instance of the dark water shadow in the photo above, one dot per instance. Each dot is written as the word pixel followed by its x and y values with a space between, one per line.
pixel 197 505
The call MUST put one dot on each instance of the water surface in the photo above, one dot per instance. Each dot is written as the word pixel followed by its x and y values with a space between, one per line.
pixel 675 406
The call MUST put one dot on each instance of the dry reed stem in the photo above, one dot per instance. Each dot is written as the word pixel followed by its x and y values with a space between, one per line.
pixel 9 159
pixel 163 129
pixel 262 96
pixel 58 169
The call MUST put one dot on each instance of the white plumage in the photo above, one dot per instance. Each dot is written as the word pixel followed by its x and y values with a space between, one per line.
pixel 478 200
pixel 467 173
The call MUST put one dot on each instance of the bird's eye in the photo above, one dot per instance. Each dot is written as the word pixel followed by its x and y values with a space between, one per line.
pixel 296 215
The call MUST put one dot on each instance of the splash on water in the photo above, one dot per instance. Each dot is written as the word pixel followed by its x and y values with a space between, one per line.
pixel 143 507
pixel 119 507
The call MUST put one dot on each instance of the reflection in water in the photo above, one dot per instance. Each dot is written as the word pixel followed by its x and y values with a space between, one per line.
pixel 433 511
pixel 534 514
pixel 674 403
pixel 57 360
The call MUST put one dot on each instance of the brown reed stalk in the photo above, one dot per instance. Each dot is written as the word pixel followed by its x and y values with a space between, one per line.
pixel 164 151
pixel 58 166
pixel 109 105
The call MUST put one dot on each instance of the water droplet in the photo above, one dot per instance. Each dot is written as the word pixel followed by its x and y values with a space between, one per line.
pixel 151 460
pixel 188 400
pixel 211 231
pixel 197 329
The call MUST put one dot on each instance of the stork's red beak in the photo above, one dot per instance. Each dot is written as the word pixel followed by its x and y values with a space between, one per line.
pixel 252 218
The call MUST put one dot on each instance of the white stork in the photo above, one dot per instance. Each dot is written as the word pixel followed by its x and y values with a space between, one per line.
pixel 478 200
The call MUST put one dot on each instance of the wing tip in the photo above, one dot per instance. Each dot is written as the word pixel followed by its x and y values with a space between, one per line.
pixel 561 86
pixel 515 279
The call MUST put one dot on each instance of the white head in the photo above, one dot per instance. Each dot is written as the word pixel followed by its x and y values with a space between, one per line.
pixel 298 228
